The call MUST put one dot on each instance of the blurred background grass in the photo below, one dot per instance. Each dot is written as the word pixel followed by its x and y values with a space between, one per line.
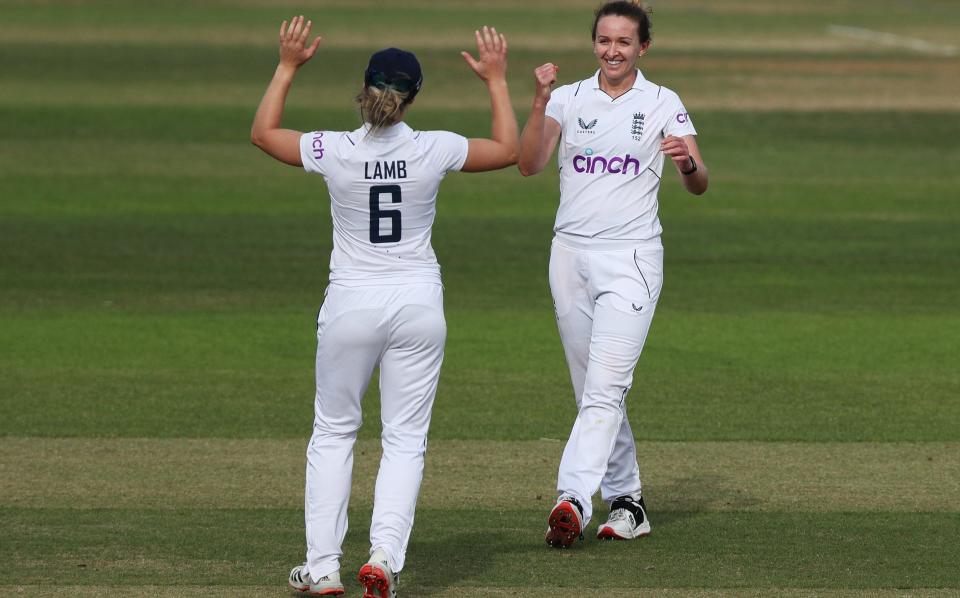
pixel 159 277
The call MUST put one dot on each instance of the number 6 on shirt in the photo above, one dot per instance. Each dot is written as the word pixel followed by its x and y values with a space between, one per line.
pixel 376 214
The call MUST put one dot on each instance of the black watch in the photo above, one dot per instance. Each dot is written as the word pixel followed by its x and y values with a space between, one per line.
pixel 693 167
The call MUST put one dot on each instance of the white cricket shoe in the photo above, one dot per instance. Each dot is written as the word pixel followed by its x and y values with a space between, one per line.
pixel 376 577
pixel 328 585
pixel 565 523
pixel 627 520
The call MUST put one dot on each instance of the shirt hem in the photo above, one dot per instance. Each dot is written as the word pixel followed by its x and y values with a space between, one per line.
pixel 581 243
pixel 385 281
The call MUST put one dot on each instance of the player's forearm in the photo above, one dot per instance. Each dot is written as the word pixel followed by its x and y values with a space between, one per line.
pixel 531 159
pixel 270 112
pixel 696 182
pixel 504 128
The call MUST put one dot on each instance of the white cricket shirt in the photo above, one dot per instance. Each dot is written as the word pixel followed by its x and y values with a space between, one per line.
pixel 610 161
pixel 383 196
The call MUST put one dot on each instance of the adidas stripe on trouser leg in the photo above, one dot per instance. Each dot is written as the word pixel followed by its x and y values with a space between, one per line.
pixel 402 328
pixel 605 301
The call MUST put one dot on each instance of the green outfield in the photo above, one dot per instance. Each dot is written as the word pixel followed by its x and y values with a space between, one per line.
pixel 796 409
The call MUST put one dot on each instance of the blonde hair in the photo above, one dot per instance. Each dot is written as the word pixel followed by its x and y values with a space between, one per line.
pixel 381 107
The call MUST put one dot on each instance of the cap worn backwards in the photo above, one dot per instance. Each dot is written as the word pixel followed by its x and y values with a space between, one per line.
pixel 395 69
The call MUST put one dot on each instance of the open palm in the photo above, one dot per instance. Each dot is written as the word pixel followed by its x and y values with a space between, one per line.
pixel 294 50
pixel 492 47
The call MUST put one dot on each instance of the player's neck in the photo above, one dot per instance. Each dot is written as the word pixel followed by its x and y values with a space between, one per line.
pixel 616 88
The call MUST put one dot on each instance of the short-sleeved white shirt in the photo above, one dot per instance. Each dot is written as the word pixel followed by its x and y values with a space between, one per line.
pixel 610 160
pixel 383 195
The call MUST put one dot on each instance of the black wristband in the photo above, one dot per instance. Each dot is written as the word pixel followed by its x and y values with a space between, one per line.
pixel 693 167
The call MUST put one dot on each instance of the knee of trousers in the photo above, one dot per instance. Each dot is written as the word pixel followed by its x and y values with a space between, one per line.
pixel 339 427
pixel 601 404
pixel 403 442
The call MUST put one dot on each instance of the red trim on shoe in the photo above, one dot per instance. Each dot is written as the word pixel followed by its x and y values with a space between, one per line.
pixel 373 578
pixel 606 533
pixel 564 523
pixel 328 592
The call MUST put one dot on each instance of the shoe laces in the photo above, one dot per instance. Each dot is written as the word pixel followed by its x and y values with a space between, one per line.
pixel 624 505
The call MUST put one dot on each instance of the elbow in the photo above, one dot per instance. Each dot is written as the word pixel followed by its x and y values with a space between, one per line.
pixel 703 188
pixel 260 136
pixel 527 169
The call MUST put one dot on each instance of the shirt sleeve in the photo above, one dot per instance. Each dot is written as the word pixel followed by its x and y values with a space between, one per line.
pixel 678 119
pixel 445 149
pixel 557 104
pixel 316 151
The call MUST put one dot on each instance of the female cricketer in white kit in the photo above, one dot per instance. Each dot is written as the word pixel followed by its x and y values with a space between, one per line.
pixel 384 305
pixel 606 263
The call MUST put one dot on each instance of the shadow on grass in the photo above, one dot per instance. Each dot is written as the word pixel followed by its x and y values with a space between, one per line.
pixel 688 497
pixel 468 559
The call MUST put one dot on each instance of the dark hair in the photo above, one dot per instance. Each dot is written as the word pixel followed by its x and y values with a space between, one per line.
pixel 634 10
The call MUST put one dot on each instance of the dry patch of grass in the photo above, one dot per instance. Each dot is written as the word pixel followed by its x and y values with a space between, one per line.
pixel 765 83
pixel 679 476
pixel 453 40
pixel 732 82
pixel 465 592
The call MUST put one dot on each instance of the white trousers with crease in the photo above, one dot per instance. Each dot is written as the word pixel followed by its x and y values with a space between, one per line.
pixel 402 329
pixel 605 301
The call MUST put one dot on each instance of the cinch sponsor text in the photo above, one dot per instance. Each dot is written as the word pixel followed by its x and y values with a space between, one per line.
pixel 615 165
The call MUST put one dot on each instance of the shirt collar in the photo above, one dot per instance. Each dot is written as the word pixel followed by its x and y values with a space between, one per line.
pixel 637 84
pixel 401 128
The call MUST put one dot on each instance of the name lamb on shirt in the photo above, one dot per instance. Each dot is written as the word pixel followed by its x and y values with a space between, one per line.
pixel 396 169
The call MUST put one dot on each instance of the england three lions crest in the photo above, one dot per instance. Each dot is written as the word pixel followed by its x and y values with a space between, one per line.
pixel 636 128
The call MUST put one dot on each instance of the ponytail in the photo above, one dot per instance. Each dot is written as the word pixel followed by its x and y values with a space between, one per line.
pixel 381 107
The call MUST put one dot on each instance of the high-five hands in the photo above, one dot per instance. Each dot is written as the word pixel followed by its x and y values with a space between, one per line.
pixel 492 47
pixel 294 50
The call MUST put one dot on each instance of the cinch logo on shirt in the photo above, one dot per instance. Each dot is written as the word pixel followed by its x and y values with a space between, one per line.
pixel 317 146
pixel 591 164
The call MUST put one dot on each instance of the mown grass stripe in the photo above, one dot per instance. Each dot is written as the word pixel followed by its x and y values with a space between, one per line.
pixel 680 476
pixel 474 592
pixel 483 547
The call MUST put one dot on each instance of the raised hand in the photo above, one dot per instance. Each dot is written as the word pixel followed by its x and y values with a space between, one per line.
pixel 492 47
pixel 545 76
pixel 294 50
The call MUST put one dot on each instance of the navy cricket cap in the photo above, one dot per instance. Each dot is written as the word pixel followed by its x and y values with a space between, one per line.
pixel 394 68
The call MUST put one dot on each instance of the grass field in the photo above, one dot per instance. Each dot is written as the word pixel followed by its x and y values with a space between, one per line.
pixel 797 407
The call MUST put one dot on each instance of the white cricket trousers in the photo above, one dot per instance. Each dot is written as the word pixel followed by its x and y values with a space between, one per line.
pixel 604 302
pixel 401 328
